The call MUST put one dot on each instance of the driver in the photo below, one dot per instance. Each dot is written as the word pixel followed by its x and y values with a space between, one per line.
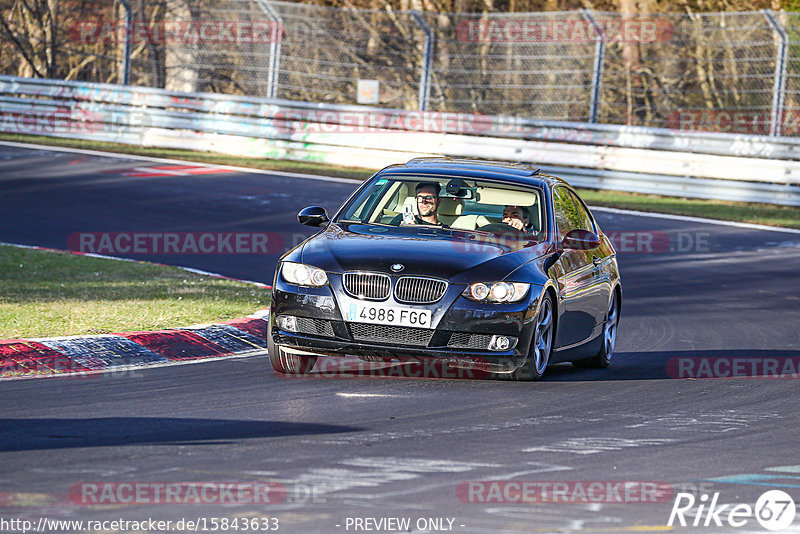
pixel 517 217
pixel 428 201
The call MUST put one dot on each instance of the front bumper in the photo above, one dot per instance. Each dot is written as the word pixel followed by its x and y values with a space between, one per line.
pixel 453 314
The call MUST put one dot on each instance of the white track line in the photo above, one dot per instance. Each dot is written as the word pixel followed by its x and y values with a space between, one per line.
pixel 365 395
pixel 233 168
pixel 654 215
pixel 703 220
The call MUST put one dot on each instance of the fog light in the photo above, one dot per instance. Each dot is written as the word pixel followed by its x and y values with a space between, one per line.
pixel 287 322
pixel 502 343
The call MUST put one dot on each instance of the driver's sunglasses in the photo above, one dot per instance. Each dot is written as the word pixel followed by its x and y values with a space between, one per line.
pixel 428 199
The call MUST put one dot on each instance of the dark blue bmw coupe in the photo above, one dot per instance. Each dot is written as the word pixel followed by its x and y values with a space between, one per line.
pixel 476 263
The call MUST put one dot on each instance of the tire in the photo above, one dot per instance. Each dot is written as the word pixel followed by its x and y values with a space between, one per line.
pixel 603 358
pixel 541 344
pixel 285 363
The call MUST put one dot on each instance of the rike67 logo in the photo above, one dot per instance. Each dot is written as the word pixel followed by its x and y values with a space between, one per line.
pixel 774 510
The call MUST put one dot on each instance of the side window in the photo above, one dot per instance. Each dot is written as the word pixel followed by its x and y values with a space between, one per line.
pixel 583 214
pixel 565 213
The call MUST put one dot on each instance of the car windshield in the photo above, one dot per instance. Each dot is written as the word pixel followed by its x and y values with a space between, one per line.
pixel 457 203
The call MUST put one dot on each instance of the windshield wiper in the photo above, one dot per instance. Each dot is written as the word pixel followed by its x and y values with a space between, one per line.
pixel 366 223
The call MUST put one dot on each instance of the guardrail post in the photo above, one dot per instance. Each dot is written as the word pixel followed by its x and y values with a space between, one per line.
pixel 427 60
pixel 276 35
pixel 597 67
pixel 779 85
pixel 126 49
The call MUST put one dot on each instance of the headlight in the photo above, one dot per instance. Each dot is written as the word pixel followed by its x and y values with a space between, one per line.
pixel 496 291
pixel 303 275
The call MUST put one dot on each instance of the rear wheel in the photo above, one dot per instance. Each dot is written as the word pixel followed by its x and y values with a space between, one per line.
pixel 541 344
pixel 603 358
pixel 287 363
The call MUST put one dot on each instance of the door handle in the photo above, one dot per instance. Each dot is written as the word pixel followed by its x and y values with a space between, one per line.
pixel 597 261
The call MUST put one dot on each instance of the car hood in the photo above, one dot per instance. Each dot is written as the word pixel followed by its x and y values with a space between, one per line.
pixel 450 254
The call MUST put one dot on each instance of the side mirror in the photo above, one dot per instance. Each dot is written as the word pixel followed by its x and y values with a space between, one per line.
pixel 313 216
pixel 580 239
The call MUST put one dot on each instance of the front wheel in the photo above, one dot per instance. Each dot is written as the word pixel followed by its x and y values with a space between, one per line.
pixel 286 363
pixel 603 358
pixel 541 343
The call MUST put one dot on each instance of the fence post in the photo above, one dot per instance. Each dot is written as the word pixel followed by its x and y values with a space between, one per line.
pixel 427 60
pixel 597 68
pixel 126 47
pixel 276 36
pixel 779 86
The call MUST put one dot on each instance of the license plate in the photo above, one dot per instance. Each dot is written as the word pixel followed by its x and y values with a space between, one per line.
pixel 391 315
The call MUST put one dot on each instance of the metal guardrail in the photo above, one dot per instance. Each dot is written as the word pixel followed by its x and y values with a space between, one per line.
pixel 645 160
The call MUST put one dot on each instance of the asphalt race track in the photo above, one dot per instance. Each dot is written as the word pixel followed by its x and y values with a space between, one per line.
pixel 347 448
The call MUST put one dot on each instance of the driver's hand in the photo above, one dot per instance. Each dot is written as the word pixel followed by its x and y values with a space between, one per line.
pixel 516 223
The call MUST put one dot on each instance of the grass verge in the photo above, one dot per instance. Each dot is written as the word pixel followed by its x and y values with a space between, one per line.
pixel 766 214
pixel 45 293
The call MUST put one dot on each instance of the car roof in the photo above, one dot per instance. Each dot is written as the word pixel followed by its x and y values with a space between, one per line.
pixel 521 173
